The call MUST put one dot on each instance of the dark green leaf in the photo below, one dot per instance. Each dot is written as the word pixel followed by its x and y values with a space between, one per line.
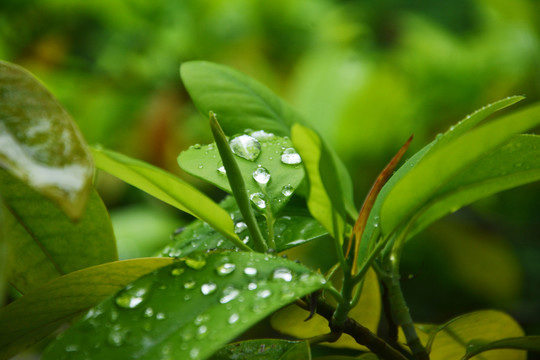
pixel 39 142
pixel 44 243
pixel 265 349
pixel 530 343
pixel 293 227
pixel 166 187
pixel 42 310
pixel 187 310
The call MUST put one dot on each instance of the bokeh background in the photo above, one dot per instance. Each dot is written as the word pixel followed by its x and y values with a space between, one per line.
pixel 365 73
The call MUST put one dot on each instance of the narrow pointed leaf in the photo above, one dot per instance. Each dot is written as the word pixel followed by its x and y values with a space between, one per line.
pixel 187 310
pixel 440 166
pixel 42 310
pixel 530 343
pixel 166 187
pixel 265 349
pixel 44 243
pixel 39 142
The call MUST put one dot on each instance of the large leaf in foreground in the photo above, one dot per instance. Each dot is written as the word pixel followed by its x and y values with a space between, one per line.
pixel 293 227
pixel 438 167
pixel 42 310
pixel 265 349
pixel 39 142
pixel 44 243
pixel 531 343
pixel 166 187
pixel 187 310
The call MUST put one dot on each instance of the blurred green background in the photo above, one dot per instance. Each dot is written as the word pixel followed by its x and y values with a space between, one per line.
pixel 366 73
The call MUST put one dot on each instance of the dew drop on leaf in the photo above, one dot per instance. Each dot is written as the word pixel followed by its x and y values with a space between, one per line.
pixel 250 271
pixel 287 190
pixel 148 312
pixel 262 135
pixel 229 294
pixel 289 156
pixel 233 318
pixel 177 271
pixel 258 199
pixel 252 286
pixel 208 288
pixel 221 168
pixel 225 269
pixel 134 295
pixel 196 262
pixel 189 284
pixel 282 274
pixel 263 294
pixel 261 175
pixel 194 353
pixel 117 336
pixel 239 227
pixel 245 146
pixel 161 316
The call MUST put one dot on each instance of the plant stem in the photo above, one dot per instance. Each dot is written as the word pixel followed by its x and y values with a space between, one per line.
pixel 238 185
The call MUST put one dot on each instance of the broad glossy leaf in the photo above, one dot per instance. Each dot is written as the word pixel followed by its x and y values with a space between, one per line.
pixel 451 339
pixel 188 310
pixel 166 187
pixel 240 101
pixel 42 310
pixel 293 227
pixel 265 349
pixel 512 165
pixel 367 312
pixel 267 174
pixel 44 243
pixel 308 144
pixel 439 167
pixel 531 343
pixel 39 142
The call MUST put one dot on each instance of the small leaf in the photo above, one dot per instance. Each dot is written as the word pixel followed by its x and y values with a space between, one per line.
pixel 166 187
pixel 278 180
pixel 531 343
pixel 41 311
pixel 44 243
pixel 187 313
pixel 293 227
pixel 290 320
pixel 39 142
pixel 440 166
pixel 265 349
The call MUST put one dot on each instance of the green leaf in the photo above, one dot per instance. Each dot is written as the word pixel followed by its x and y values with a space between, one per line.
pixel 265 349
pixel 240 101
pixel 293 227
pixel 308 144
pixel 205 163
pixel 39 142
pixel 438 167
pixel 44 243
pixel 531 343
pixel 290 320
pixel 367 356
pixel 166 187
pixel 512 165
pixel 450 340
pixel 3 253
pixel 187 310
pixel 42 310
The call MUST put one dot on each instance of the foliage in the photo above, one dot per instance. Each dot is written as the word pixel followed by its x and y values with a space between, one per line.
pixel 221 274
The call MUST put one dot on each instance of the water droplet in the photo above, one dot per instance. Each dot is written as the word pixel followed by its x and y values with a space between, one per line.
pixel 290 156
pixel 220 242
pixel 209 288
pixel 148 312
pixel 233 318
pixel 225 269
pixel 245 240
pixel 263 294
pixel 201 331
pixel 113 316
pixel 261 175
pixel 200 166
pixel 245 146
pixel 229 294
pixel 239 227
pixel 221 168
pixel 250 271
pixel 177 271
pixel 282 274
pixel 194 353
pixel 258 199
pixel 201 318
pixel 189 284
pixel 161 316
pixel 72 348
pixel 262 135
pixel 196 146
pixel 134 295
pixel 117 336
pixel 287 190
pixel 196 262
pixel 252 286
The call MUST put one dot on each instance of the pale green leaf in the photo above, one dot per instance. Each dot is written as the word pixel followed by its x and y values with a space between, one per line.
pixel 42 310
pixel 531 343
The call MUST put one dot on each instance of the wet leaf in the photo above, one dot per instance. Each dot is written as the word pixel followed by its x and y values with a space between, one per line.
pixel 290 320
pixel 44 243
pixel 439 167
pixel 166 187
pixel 267 174
pixel 450 340
pixel 368 356
pixel 531 343
pixel 188 310
pixel 293 227
pixel 265 349
pixel 39 142
pixel 42 310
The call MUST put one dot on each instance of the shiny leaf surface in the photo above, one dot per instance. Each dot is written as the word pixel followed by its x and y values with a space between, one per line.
pixel 265 349
pixel 530 343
